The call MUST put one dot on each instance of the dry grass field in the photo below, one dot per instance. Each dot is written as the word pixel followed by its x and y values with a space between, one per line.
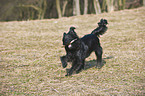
pixel 30 51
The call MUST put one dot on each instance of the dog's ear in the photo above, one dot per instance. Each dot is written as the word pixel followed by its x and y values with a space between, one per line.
pixel 63 39
pixel 105 21
pixel 72 32
pixel 72 28
pixel 101 21
pixel 64 34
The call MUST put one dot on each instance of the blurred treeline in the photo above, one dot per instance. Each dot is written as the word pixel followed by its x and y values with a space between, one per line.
pixel 44 9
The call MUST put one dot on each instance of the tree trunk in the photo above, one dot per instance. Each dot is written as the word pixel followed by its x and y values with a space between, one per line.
pixel 110 6
pixel 76 7
pixel 103 5
pixel 123 2
pixel 143 2
pixel 58 8
pixel 64 7
pixel 97 6
pixel 119 4
pixel 85 6
pixel 41 9
pixel 44 6
pixel 34 7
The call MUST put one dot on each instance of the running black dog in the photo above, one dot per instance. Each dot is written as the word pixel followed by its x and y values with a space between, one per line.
pixel 77 49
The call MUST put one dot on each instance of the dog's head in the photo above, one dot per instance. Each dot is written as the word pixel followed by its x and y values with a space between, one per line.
pixel 70 38
pixel 103 22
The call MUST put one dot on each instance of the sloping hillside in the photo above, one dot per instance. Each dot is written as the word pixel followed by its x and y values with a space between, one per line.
pixel 30 51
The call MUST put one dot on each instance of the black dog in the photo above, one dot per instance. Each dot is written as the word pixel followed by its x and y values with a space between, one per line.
pixel 77 49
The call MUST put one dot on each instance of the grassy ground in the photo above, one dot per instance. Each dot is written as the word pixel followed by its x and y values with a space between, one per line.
pixel 30 51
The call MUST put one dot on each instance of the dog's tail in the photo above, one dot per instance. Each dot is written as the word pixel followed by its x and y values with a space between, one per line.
pixel 101 29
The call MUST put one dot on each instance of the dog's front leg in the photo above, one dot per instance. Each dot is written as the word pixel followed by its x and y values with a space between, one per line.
pixel 74 66
pixel 63 61
pixel 81 66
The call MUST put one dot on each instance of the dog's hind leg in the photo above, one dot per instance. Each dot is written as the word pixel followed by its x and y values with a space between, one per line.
pixel 99 53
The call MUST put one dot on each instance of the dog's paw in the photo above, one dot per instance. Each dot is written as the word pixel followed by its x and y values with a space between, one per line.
pixel 64 64
pixel 98 66
pixel 67 74
pixel 78 72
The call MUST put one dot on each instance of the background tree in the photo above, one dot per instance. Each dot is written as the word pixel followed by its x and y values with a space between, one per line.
pixel 76 7
pixel 64 6
pixel 41 9
pixel 85 6
pixel 143 2
pixel 121 4
pixel 103 7
pixel 110 6
pixel 97 6
pixel 58 8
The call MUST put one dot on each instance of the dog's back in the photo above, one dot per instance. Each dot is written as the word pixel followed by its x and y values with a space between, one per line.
pixel 90 39
pixel 91 43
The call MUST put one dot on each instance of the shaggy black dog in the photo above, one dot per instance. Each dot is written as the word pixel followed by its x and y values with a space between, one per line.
pixel 77 49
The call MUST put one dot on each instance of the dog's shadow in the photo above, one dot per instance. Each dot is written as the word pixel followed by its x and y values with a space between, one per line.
pixel 93 63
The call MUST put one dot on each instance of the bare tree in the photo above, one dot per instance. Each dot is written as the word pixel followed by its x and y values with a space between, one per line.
pixel 143 2
pixel 41 8
pixel 104 5
pixel 110 6
pixel 76 7
pixel 85 6
pixel 58 8
pixel 123 3
pixel 97 6
pixel 64 6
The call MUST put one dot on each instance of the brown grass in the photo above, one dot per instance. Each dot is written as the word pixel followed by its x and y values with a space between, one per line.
pixel 30 51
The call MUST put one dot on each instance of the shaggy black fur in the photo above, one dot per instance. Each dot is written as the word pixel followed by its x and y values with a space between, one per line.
pixel 77 49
